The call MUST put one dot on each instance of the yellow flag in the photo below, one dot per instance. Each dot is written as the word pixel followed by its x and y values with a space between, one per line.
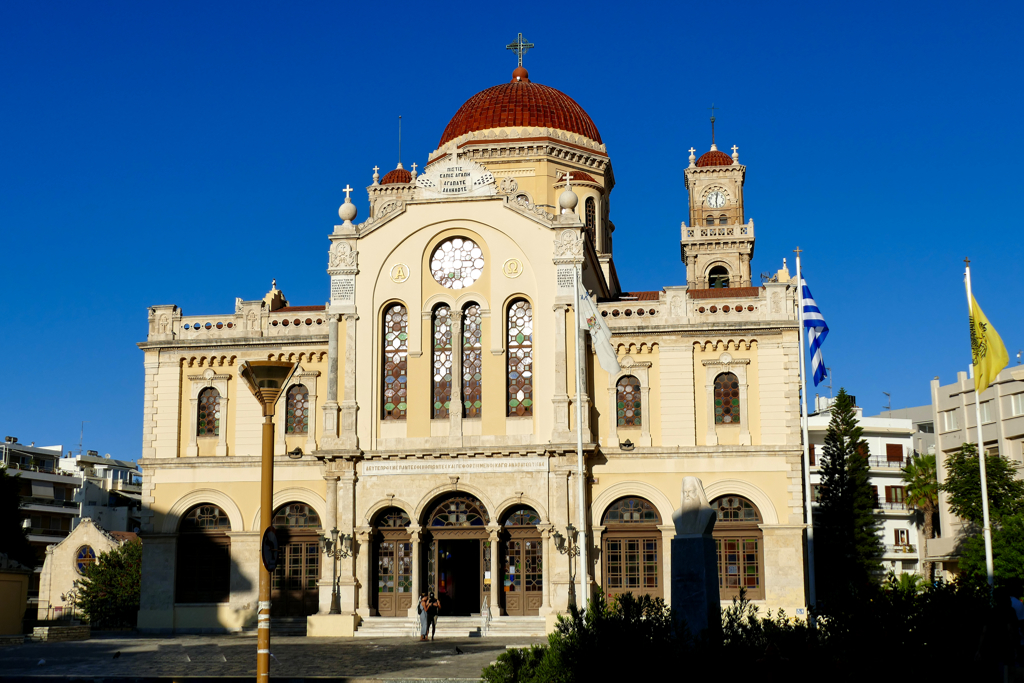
pixel 987 349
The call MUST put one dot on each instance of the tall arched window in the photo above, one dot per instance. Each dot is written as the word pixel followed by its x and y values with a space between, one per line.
pixel 208 423
pixel 396 351
pixel 631 557
pixel 627 401
pixel 718 278
pixel 727 399
pixel 297 410
pixel 203 560
pixel 739 541
pixel 520 359
pixel 590 212
pixel 442 361
pixel 472 361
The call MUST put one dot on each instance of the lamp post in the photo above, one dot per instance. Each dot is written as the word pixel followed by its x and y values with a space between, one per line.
pixel 335 551
pixel 569 545
pixel 266 380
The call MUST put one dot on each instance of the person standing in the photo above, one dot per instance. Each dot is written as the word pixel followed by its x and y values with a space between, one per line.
pixel 433 609
pixel 422 609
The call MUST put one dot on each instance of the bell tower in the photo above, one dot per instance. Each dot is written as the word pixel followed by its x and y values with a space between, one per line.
pixel 717 245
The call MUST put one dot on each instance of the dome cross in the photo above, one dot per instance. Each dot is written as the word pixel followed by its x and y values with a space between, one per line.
pixel 347 190
pixel 520 47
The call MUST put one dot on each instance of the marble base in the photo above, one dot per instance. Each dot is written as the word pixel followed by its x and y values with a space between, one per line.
pixel 695 592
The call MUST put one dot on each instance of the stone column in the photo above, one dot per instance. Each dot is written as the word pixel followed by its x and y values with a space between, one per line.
pixel 613 415
pixel 560 396
pixel 222 436
pixel 546 547
pixel 346 497
pixel 311 422
pixel 455 405
pixel 156 598
pixel 668 532
pixel 331 404
pixel 192 449
pixel 415 534
pixel 497 584
pixel 244 582
pixel 349 405
pixel 581 355
pixel 362 559
pixel 326 562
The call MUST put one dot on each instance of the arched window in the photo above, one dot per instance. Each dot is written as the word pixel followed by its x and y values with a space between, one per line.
pixel 294 590
pixel 442 377
pixel 472 361
pixel 298 410
pixel 739 543
pixel 522 516
pixel 84 558
pixel 459 510
pixel 723 219
pixel 727 399
pixel 718 278
pixel 203 573
pixel 627 401
pixel 208 423
pixel 520 359
pixel 296 516
pixel 393 566
pixel 396 351
pixel 631 542
pixel 709 220
pixel 393 518
pixel 590 212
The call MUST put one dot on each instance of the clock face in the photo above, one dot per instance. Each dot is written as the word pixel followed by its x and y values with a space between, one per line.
pixel 716 200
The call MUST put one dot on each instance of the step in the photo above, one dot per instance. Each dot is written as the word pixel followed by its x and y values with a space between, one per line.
pixel 288 626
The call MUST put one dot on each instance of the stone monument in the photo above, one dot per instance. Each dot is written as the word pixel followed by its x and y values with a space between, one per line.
pixel 695 597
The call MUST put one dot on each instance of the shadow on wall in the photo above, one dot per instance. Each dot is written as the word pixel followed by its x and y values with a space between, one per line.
pixel 212 592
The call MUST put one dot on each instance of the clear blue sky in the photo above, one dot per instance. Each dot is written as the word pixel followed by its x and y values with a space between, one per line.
pixel 187 153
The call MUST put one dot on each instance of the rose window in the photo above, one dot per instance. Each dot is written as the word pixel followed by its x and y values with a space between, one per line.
pixel 457 263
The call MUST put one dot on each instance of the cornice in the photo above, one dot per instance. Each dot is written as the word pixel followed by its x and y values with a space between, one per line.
pixel 236 342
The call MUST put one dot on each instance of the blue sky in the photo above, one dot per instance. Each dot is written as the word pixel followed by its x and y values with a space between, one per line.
pixel 187 153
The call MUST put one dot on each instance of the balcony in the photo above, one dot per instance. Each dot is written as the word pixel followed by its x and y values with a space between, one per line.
pixel 878 462
pixel 902 549
pixel 46 535
pixel 37 504
pixel 900 506
pixel 126 486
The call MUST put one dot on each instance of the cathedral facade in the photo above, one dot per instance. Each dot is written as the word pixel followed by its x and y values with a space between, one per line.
pixel 432 416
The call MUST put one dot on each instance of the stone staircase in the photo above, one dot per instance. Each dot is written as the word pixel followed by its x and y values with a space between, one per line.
pixel 453 627
pixel 288 626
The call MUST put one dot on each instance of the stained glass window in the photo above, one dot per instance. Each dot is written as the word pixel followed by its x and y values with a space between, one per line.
pixel 298 410
pixel 206 518
pixel 442 381
pixel 84 558
pixel 632 511
pixel 523 516
pixel 738 542
pixel 457 263
pixel 727 399
pixel 394 567
pixel 393 518
pixel 209 413
pixel 472 360
pixel 520 359
pixel 296 516
pixel 590 211
pixel 627 401
pixel 524 566
pixel 735 509
pixel 631 565
pixel 460 510
pixel 396 348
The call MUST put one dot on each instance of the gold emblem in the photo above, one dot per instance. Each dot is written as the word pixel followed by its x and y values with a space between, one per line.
pixel 512 268
pixel 400 272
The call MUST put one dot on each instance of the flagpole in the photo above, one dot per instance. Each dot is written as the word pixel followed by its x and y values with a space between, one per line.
pixel 581 466
pixel 808 513
pixel 986 528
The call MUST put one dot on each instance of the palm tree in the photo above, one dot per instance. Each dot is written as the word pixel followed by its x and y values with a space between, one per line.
pixel 923 494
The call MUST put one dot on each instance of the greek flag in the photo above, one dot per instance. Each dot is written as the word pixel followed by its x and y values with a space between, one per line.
pixel 817 330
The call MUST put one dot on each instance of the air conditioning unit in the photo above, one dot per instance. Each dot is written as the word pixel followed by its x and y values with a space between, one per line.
pixel 10 439
pixel 94 454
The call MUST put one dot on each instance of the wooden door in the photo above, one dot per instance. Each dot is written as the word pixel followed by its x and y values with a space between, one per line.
pixel 523 575
pixel 394 575
pixel 294 591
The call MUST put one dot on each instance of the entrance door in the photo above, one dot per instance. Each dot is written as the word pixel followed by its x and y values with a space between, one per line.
pixel 523 584
pixel 394 576
pixel 459 576
pixel 294 592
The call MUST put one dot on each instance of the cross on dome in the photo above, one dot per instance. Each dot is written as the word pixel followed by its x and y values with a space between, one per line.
pixel 520 47
pixel 347 190
pixel 376 168
pixel 734 149
pixel 568 178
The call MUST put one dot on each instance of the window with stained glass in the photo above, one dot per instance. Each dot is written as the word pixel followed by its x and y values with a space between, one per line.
pixel 460 510
pixel 472 361
pixel 394 567
pixel 208 423
pixel 296 516
pixel 520 359
pixel 205 518
pixel 297 410
pixel 524 566
pixel 393 518
pixel 727 399
pixel 523 516
pixel 627 401
pixel 84 558
pixel 457 263
pixel 590 211
pixel 396 351
pixel 738 540
pixel 442 381
pixel 735 509
pixel 631 511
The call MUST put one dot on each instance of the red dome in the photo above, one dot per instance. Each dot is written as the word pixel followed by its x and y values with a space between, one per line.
pixel 520 103
pixel 714 158
pixel 399 175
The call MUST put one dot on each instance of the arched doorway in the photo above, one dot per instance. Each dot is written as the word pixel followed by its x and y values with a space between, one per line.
pixel 392 547
pixel 458 554
pixel 294 591
pixel 203 558
pixel 523 563
pixel 739 542
pixel 631 549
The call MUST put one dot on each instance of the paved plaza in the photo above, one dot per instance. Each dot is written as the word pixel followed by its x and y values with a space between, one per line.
pixel 364 660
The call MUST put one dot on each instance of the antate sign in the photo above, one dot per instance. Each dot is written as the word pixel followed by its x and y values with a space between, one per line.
pixel 454 177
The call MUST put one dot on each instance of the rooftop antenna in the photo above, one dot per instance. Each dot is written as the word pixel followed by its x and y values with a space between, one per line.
pixel 1018 357
pixel 713 108
pixel 81 436
pixel 828 373
pixel 888 403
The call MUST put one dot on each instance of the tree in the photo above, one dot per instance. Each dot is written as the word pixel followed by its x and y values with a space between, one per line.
pixel 922 493
pixel 13 539
pixel 850 548
pixel 963 484
pixel 109 593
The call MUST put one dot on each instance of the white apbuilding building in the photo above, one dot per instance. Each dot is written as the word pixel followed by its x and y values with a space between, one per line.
pixel 890 444
pixel 111 490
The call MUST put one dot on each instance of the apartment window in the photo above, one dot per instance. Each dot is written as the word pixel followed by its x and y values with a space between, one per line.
pixel 902 536
pixel 950 423
pixel 986 412
pixel 893 452
pixel 874 493
pixel 810 451
pixel 896 495
pixel 816 493
pixel 1017 404
pixel 926 427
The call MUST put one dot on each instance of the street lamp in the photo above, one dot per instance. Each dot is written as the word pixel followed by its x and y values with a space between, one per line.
pixel 266 380
pixel 335 551
pixel 569 545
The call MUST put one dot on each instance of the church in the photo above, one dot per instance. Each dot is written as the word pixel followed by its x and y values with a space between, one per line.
pixel 431 419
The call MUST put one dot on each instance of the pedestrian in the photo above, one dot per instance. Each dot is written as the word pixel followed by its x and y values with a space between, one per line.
pixel 424 614
pixel 433 609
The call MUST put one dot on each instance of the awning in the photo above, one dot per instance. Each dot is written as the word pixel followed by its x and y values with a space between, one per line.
pixel 42 489
pixel 133 496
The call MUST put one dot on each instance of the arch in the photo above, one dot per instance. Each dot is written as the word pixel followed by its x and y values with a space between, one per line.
pixel 505 506
pixel 718 277
pixel 709 220
pixel 430 500
pixel 723 219
pixel 382 504
pixel 625 489
pixel 296 495
pixel 744 489
pixel 199 497
pixel 459 509
pixel 375 521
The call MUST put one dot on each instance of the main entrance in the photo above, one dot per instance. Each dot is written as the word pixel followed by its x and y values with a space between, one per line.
pixel 459 555
pixel 294 591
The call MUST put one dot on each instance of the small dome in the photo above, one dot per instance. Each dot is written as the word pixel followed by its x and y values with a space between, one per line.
pixel 399 175
pixel 714 158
